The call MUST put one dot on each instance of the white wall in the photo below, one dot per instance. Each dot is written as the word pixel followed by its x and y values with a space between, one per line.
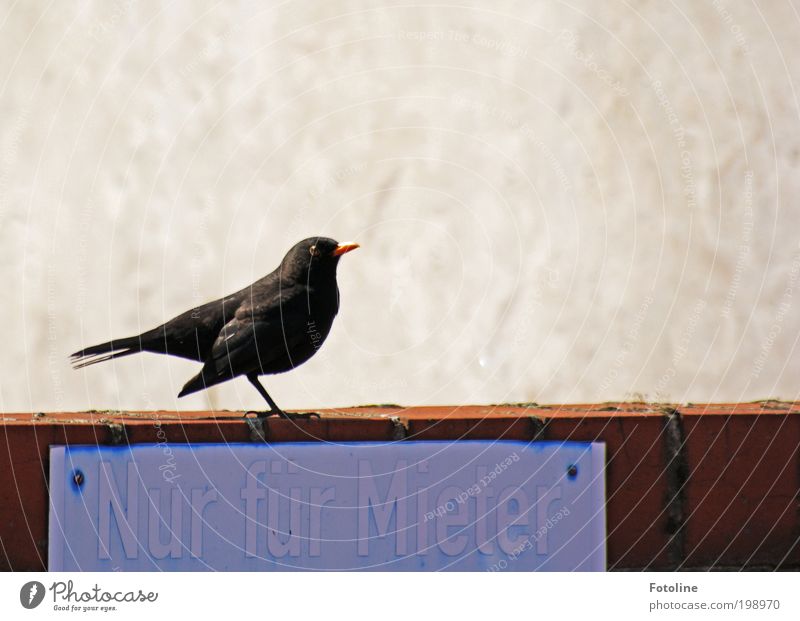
pixel 556 201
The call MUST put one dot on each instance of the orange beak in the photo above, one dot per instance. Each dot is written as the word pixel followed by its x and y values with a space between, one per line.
pixel 343 249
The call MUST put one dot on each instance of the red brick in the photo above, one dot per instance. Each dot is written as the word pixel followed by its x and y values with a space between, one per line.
pixel 471 429
pixel 740 499
pixel 636 484
pixel 742 491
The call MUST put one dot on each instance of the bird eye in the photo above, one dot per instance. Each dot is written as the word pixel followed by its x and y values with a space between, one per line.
pixel 313 250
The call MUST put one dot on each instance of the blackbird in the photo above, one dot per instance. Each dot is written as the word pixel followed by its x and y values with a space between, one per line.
pixel 271 326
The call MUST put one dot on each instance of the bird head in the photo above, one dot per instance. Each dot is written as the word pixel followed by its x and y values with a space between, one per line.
pixel 315 254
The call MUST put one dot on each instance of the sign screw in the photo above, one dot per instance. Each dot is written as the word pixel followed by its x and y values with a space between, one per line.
pixel 77 477
pixel 572 471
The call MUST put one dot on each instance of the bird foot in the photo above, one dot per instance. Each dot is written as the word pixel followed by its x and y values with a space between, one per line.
pixel 298 415
pixel 282 414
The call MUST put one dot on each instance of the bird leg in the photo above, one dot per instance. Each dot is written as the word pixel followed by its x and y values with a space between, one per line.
pixel 273 407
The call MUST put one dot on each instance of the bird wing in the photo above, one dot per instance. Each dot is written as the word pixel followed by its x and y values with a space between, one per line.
pixel 255 337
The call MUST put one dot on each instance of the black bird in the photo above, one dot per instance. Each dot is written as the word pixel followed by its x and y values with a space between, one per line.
pixel 272 326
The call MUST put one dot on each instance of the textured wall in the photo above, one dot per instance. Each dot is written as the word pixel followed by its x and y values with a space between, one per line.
pixel 556 201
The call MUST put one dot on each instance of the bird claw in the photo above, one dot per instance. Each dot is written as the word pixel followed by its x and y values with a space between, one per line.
pixel 298 415
pixel 282 414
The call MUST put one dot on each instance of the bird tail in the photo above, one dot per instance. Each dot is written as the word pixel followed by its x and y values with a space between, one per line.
pixel 106 351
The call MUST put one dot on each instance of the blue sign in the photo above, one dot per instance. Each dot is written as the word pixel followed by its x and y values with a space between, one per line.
pixel 466 505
